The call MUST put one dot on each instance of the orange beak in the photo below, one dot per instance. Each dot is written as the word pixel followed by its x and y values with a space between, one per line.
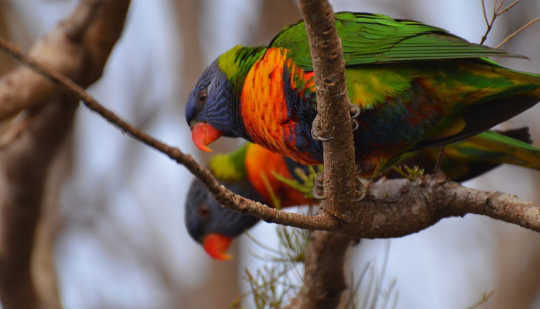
pixel 203 134
pixel 216 246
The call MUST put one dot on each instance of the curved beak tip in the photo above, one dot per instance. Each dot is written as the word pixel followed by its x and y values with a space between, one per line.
pixel 216 246
pixel 203 134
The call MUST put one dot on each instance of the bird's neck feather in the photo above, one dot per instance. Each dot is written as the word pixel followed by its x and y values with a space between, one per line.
pixel 273 92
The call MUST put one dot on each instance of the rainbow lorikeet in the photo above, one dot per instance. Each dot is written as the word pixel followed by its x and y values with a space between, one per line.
pixel 415 86
pixel 251 171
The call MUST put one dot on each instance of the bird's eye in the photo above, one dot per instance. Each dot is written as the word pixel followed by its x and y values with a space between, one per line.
pixel 202 96
pixel 204 211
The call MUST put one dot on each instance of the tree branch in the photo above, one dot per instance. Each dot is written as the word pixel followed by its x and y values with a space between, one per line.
pixel 223 195
pixel 78 47
pixel 376 199
pixel 324 279
pixel 391 208
pixel 333 119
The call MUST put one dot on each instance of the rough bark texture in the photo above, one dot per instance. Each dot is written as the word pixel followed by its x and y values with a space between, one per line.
pixel 78 47
pixel 324 280
pixel 333 120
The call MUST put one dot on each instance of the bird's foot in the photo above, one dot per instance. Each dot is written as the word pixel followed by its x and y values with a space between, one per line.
pixel 355 124
pixel 439 175
pixel 318 187
pixel 362 188
pixel 316 131
pixel 354 110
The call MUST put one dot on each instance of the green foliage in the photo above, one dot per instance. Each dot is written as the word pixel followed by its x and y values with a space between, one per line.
pixel 307 182
pixel 276 202
pixel 411 173
pixel 278 281
pixel 273 285
pixel 369 290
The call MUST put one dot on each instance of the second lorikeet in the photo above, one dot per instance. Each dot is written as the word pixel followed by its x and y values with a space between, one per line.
pixel 415 86
pixel 251 171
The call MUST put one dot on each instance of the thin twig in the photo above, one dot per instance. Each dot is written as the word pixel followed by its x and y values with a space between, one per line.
pixel 498 10
pixel 489 24
pixel 484 13
pixel 518 31
pixel 228 198
pixel 508 7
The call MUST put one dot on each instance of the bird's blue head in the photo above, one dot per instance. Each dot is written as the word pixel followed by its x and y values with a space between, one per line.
pixel 211 108
pixel 211 224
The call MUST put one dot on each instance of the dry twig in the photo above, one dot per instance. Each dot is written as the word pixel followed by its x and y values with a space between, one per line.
pixel 498 10
pixel 518 31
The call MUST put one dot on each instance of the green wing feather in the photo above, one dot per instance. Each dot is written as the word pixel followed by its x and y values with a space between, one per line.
pixel 477 155
pixel 372 38
pixel 494 147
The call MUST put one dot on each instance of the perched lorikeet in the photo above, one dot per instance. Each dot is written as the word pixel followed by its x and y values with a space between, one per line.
pixel 251 171
pixel 415 86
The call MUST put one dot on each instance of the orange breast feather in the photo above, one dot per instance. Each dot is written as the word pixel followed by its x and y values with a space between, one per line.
pixel 262 163
pixel 264 107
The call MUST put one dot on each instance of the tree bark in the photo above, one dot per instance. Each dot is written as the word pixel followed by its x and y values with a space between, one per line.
pixel 324 279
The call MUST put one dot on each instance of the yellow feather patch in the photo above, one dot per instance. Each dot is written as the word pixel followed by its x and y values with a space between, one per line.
pixel 222 167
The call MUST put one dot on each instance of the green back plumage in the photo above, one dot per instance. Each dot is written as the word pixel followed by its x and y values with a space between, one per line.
pixel 373 38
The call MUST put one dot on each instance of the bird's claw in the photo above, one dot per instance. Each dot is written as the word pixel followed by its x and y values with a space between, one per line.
pixel 316 136
pixel 355 125
pixel 354 110
pixel 315 193
pixel 318 187
pixel 361 193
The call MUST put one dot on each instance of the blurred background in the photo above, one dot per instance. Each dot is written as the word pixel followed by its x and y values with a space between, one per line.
pixel 116 206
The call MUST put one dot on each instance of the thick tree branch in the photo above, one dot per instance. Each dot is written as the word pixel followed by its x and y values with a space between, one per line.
pixel 324 279
pixel 78 47
pixel 333 120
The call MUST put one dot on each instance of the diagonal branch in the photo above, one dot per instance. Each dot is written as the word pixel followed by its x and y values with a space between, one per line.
pixel 391 208
pixel 225 196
